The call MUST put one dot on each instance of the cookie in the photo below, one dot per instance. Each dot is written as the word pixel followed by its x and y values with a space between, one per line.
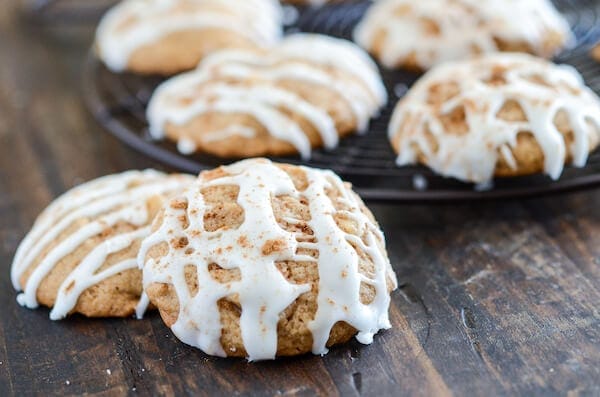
pixel 259 260
pixel 420 34
pixel 503 114
pixel 80 255
pixel 305 93
pixel 170 36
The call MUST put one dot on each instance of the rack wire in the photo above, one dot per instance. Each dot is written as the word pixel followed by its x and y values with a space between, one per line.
pixel 118 102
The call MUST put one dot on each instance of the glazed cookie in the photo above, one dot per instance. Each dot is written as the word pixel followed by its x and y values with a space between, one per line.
pixel 170 36
pixel 260 260
pixel 500 115
pixel 420 34
pixel 304 93
pixel 80 255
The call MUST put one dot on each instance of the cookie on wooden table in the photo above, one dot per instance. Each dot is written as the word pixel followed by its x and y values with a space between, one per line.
pixel 170 36
pixel 80 255
pixel 504 114
pixel 304 93
pixel 420 34
pixel 259 260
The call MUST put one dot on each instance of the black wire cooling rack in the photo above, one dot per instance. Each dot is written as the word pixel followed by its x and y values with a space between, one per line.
pixel 118 102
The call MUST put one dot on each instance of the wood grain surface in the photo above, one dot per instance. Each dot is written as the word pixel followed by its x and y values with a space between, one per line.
pixel 497 298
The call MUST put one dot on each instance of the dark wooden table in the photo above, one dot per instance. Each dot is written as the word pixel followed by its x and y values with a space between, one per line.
pixel 496 298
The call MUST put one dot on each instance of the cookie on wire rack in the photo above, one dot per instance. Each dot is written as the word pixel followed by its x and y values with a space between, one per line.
pixel 504 114
pixel 170 36
pixel 420 34
pixel 259 260
pixel 306 92
pixel 80 255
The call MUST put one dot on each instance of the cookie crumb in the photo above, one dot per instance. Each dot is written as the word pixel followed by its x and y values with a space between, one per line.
pixel 70 286
pixel 179 243
pixel 243 241
pixel 273 246
pixel 178 204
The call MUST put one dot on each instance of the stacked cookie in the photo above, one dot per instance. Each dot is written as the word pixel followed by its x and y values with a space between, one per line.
pixel 255 260
pixel 483 111
pixel 253 93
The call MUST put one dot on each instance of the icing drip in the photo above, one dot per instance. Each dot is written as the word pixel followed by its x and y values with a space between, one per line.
pixel 338 256
pixel 134 23
pixel 186 146
pixel 435 31
pixel 246 82
pixel 263 291
pixel 106 202
pixel 540 88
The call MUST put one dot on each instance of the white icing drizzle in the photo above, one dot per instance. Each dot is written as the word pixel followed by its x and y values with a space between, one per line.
pixel 106 201
pixel 263 291
pixel 236 81
pixel 363 104
pixel 132 24
pixel 463 28
pixel 84 275
pixel 472 156
pixel 338 53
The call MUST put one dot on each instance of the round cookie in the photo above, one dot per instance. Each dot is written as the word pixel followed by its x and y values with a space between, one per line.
pixel 504 114
pixel 305 93
pixel 170 36
pixel 80 255
pixel 420 34
pixel 259 260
